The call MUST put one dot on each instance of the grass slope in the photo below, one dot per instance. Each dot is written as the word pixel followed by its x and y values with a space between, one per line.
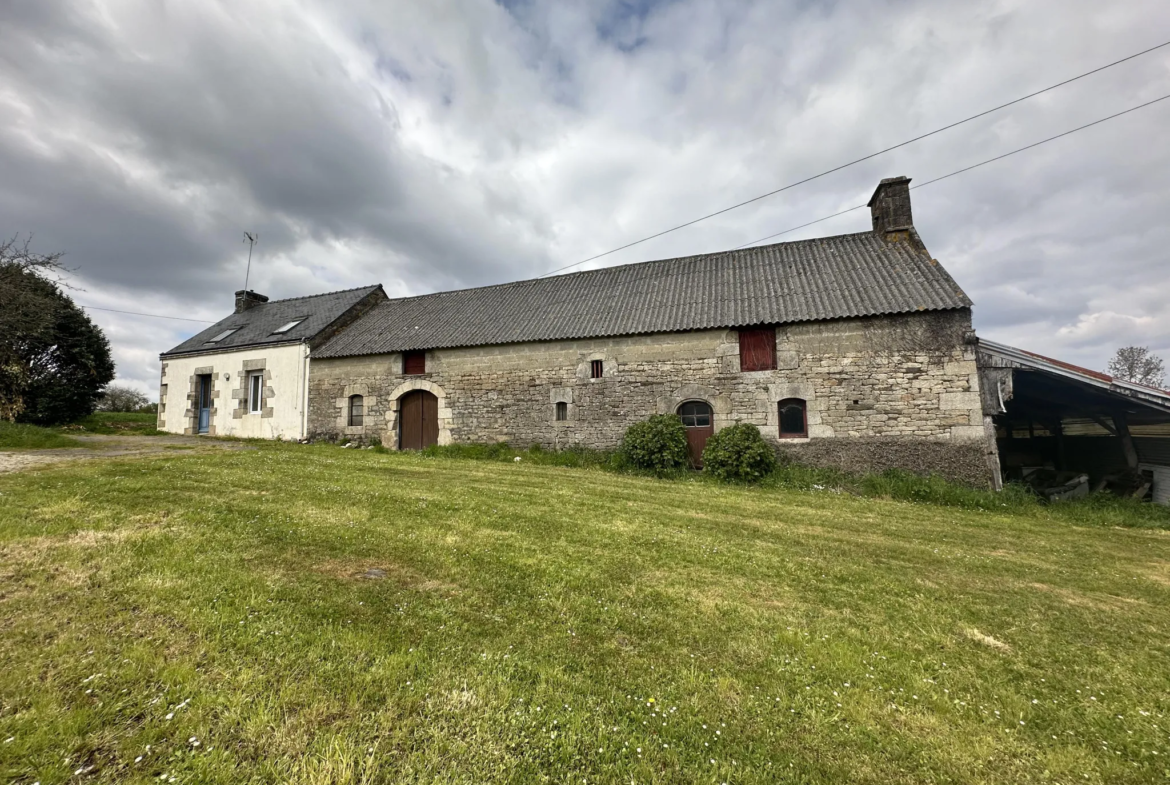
pixel 17 436
pixel 206 618
pixel 116 423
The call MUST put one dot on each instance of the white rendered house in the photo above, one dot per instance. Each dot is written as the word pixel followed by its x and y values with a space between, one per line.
pixel 248 375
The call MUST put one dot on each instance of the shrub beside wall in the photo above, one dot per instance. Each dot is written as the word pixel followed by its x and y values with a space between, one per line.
pixel 738 453
pixel 658 444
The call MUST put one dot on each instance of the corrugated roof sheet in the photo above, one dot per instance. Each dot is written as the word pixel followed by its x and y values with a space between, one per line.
pixel 254 326
pixel 827 278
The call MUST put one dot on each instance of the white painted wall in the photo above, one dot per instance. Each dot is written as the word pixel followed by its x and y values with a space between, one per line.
pixel 286 383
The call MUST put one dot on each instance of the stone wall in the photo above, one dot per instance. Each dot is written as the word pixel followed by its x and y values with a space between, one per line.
pixel 907 378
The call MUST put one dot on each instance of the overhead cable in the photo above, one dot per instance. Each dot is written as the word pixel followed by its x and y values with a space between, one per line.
pixel 154 315
pixel 858 160
pixel 965 168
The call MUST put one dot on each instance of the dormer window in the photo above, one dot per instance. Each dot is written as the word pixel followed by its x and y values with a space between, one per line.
pixel 284 328
pixel 222 335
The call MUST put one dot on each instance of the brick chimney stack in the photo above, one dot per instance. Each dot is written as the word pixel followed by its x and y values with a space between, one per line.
pixel 890 208
pixel 247 299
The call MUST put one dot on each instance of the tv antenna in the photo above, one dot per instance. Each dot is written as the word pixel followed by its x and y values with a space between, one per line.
pixel 250 238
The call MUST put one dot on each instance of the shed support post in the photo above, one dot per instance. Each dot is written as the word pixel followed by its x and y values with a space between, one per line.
pixel 1058 432
pixel 1122 426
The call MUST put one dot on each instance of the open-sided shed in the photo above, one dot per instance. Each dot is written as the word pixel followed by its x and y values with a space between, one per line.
pixel 1054 417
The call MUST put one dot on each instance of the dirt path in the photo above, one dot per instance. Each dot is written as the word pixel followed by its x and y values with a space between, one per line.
pixel 114 447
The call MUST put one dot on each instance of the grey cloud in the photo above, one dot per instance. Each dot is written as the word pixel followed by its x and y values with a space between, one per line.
pixel 456 143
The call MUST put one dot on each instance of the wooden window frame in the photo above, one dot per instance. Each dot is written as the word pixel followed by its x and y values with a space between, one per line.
pixel 780 418
pixel 596 369
pixel 559 408
pixel 710 414
pixel 757 349
pixel 255 392
pixel 414 363
pixel 359 421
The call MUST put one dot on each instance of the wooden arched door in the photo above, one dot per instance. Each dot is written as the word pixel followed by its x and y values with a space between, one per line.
pixel 700 424
pixel 418 420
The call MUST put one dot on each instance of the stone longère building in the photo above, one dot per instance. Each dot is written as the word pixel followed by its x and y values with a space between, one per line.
pixel 854 351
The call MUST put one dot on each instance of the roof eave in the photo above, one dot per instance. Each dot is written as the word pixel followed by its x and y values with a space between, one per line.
pixel 226 349
pixel 598 336
pixel 1018 357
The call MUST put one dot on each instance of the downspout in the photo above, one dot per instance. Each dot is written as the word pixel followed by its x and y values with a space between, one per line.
pixel 304 391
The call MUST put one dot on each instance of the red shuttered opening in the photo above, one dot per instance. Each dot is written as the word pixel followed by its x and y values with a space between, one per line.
pixel 757 350
pixel 414 363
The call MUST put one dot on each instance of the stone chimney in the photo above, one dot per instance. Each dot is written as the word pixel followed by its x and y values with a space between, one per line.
pixel 890 209
pixel 247 299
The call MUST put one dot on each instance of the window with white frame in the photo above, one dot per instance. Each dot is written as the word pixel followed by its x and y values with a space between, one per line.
pixel 255 392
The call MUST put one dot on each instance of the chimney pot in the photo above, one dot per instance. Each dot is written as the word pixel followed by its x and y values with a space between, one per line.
pixel 890 206
pixel 246 299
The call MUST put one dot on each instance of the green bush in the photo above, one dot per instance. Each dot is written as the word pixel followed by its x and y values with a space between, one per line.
pixel 739 454
pixel 658 445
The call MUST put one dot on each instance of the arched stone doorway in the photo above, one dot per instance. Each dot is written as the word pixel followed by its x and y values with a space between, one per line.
pixel 699 420
pixel 418 420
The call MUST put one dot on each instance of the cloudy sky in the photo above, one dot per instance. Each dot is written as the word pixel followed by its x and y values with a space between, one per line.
pixel 454 143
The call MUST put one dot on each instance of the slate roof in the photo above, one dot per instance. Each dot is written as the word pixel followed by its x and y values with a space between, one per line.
pixel 255 325
pixel 827 278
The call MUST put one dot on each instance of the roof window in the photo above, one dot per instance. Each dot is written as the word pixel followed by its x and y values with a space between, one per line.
pixel 284 328
pixel 222 335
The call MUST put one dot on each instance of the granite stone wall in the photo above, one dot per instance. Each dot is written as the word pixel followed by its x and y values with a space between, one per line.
pixel 894 380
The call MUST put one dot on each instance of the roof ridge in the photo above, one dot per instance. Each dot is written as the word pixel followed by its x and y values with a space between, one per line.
pixel 597 270
pixel 320 294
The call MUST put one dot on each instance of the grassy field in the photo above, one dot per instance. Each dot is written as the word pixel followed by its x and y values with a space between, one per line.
pixel 17 436
pixel 307 614
pixel 119 423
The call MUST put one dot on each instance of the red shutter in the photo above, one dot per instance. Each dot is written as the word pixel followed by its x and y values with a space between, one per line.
pixel 414 363
pixel 757 350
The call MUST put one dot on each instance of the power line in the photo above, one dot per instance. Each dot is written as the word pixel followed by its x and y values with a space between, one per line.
pixel 154 315
pixel 809 223
pixel 966 168
pixel 858 160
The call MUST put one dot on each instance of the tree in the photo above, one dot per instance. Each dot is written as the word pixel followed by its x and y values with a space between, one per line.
pixel 121 398
pixel 54 361
pixel 1137 364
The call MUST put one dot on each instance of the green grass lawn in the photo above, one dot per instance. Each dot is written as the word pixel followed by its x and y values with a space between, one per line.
pixel 117 423
pixel 205 617
pixel 18 436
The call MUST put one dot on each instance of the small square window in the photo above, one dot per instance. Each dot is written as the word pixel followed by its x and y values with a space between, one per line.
pixel 255 392
pixel 562 411
pixel 596 369
pixel 414 363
